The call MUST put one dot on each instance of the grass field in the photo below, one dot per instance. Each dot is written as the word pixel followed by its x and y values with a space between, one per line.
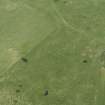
pixel 52 52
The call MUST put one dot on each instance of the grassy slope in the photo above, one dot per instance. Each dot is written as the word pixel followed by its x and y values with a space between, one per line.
pixel 64 44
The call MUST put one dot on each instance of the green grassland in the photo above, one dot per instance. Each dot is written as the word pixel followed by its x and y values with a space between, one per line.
pixel 52 45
